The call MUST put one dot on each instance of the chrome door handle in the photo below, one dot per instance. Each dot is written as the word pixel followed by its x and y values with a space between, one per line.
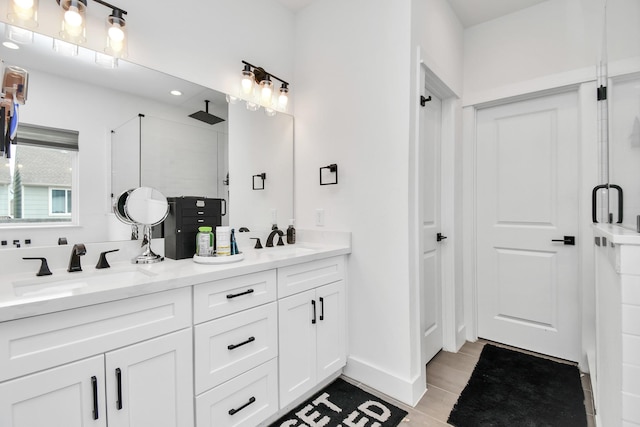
pixel 568 240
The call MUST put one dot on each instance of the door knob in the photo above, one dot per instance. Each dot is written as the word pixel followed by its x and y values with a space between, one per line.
pixel 440 237
pixel 568 240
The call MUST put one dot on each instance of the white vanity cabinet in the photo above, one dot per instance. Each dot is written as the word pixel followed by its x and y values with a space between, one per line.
pixel 617 376
pixel 236 350
pixel 128 362
pixel 62 396
pixel 311 325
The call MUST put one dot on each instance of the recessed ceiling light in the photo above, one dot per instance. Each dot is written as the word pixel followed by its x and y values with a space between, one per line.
pixel 176 93
pixel 10 45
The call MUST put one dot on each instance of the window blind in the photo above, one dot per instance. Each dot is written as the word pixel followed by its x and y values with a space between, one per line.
pixel 47 137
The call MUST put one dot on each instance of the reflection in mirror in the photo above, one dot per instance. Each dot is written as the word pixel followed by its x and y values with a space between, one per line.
pixel 146 206
pixel 36 182
pixel 75 93
pixel 260 144
pixel 178 159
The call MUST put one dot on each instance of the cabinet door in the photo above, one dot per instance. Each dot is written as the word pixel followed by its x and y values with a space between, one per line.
pixel 151 383
pixel 297 326
pixel 330 342
pixel 67 396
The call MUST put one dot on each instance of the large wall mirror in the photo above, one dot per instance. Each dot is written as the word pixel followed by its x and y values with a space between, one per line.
pixel 178 154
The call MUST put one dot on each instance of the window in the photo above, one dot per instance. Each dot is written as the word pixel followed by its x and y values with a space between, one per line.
pixel 60 202
pixel 37 180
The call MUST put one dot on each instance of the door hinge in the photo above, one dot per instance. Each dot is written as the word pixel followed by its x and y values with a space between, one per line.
pixel 602 93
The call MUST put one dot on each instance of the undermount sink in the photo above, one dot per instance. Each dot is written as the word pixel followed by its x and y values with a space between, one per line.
pixel 70 282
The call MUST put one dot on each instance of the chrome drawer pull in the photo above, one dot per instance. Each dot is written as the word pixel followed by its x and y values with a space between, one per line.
pixel 234 346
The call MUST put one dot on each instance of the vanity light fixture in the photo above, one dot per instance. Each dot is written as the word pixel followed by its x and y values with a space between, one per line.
pixel 265 95
pixel 23 13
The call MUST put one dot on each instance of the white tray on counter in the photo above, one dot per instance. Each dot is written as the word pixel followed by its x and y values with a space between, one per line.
pixel 218 259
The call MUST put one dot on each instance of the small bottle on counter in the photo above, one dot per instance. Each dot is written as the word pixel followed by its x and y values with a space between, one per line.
pixel 291 233
pixel 223 241
pixel 234 243
pixel 204 241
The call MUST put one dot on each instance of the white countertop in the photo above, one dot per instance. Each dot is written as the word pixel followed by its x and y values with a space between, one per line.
pixel 617 234
pixel 25 294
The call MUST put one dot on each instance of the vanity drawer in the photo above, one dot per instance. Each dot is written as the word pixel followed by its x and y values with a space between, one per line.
pixel 302 277
pixel 227 347
pixel 245 401
pixel 35 343
pixel 212 300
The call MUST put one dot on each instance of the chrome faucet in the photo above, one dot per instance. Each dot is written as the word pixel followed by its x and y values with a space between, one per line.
pixel 74 262
pixel 280 233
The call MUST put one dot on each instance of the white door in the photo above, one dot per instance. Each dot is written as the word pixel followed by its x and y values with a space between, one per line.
pixel 297 345
pixel 431 283
pixel 527 196
pixel 330 333
pixel 151 383
pixel 68 396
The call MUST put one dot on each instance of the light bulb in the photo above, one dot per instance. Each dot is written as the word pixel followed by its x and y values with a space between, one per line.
pixel 266 90
pixel 73 19
pixel 283 97
pixel 248 80
pixel 116 35
pixel 24 12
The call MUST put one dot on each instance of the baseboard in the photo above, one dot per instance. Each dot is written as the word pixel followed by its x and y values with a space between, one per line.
pixel 591 363
pixel 408 392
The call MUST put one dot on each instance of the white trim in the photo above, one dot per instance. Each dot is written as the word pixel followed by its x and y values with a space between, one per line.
pixel 468 221
pixel 408 391
pixel 526 88
pixel 449 120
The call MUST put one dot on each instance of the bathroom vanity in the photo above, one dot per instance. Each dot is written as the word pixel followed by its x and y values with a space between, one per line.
pixel 617 371
pixel 174 343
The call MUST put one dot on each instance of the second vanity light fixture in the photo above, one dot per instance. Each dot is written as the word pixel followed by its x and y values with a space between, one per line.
pixel 24 13
pixel 256 87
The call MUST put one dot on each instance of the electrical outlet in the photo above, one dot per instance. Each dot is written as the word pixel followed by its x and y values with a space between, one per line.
pixel 320 217
pixel 274 216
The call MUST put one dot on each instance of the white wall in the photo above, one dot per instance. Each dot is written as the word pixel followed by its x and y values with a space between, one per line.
pixel 357 60
pixel 551 38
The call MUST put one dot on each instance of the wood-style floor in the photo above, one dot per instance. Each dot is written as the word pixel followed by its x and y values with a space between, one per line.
pixel 447 375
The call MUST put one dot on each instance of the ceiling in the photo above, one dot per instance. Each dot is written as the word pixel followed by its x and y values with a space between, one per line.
pixel 470 12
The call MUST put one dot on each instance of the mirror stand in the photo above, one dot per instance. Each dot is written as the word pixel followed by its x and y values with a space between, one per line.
pixel 147 256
